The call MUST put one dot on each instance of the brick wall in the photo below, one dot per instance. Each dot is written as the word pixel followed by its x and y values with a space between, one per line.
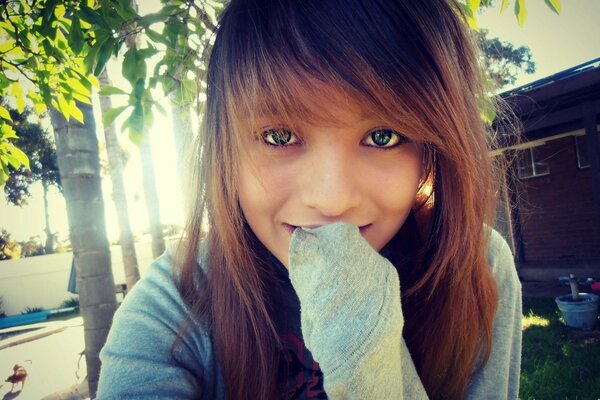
pixel 559 221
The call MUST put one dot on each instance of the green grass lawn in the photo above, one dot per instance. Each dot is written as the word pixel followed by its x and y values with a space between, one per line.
pixel 558 362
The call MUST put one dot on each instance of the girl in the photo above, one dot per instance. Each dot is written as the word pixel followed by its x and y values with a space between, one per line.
pixel 344 176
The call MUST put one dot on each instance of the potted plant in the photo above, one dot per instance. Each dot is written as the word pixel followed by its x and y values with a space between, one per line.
pixel 579 310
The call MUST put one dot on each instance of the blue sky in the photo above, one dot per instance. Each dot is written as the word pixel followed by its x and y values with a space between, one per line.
pixel 556 42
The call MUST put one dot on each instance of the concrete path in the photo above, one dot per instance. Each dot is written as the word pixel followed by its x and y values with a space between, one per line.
pixel 49 354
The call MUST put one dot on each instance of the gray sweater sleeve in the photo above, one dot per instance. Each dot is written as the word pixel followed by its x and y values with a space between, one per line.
pixel 352 319
pixel 137 359
pixel 351 315
pixel 500 377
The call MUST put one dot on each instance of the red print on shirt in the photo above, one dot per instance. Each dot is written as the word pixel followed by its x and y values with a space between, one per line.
pixel 304 381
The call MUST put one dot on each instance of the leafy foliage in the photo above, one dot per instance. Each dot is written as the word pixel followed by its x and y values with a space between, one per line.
pixel 70 302
pixel 40 58
pixel 56 45
pixel 2 311
pixel 502 60
pixel 9 248
pixel 176 38
pixel 32 247
pixel 31 310
pixel 37 143
pixel 471 7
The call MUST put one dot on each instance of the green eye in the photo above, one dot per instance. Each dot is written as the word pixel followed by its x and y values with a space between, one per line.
pixel 384 138
pixel 381 138
pixel 278 137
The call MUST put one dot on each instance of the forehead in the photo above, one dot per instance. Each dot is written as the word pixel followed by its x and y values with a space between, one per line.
pixel 315 103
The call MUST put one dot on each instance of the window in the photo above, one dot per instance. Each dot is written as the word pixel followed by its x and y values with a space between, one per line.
pixel 583 160
pixel 529 164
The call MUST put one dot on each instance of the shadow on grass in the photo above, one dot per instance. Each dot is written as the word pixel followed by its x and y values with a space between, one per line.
pixel 558 362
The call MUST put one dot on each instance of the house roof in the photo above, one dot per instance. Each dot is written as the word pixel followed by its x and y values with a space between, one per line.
pixel 554 105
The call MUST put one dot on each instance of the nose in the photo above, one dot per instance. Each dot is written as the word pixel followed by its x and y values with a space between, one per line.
pixel 330 183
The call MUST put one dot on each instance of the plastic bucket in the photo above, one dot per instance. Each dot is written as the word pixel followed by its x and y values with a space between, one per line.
pixel 581 314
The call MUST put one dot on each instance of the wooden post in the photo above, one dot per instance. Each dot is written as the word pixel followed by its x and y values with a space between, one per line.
pixel 512 186
pixel 591 134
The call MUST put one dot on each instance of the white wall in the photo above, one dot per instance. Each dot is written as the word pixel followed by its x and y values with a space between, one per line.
pixel 42 281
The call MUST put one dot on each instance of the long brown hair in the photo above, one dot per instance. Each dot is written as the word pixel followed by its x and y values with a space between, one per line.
pixel 411 63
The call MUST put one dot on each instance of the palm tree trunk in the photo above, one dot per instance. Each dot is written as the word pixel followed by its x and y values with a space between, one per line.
pixel 151 196
pixel 115 162
pixel 181 117
pixel 149 179
pixel 182 109
pixel 182 135
pixel 49 247
pixel 78 163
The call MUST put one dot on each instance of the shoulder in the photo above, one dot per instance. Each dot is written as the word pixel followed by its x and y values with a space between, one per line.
pixel 148 346
pixel 156 297
pixel 154 302
pixel 160 275
pixel 502 262
pixel 158 290
pixel 156 293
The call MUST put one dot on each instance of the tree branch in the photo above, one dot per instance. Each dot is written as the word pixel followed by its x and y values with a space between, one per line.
pixel 19 68
pixel 203 16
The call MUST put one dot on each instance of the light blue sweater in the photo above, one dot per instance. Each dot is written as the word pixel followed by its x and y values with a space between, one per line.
pixel 351 321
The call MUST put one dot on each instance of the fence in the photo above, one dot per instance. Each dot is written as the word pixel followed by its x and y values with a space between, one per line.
pixel 42 281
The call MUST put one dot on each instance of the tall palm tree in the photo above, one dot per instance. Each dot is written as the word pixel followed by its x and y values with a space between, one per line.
pixel 151 196
pixel 115 162
pixel 78 163
pixel 149 177
pixel 182 135
pixel 186 102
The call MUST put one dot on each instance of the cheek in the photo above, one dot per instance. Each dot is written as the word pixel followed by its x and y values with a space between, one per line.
pixel 261 188
pixel 263 194
pixel 251 191
pixel 395 187
pixel 399 193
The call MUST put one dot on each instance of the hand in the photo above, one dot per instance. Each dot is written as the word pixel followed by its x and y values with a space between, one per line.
pixel 349 294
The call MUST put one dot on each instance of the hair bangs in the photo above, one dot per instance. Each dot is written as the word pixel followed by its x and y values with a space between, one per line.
pixel 287 59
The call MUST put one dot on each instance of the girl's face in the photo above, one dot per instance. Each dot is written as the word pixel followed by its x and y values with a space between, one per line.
pixel 354 169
